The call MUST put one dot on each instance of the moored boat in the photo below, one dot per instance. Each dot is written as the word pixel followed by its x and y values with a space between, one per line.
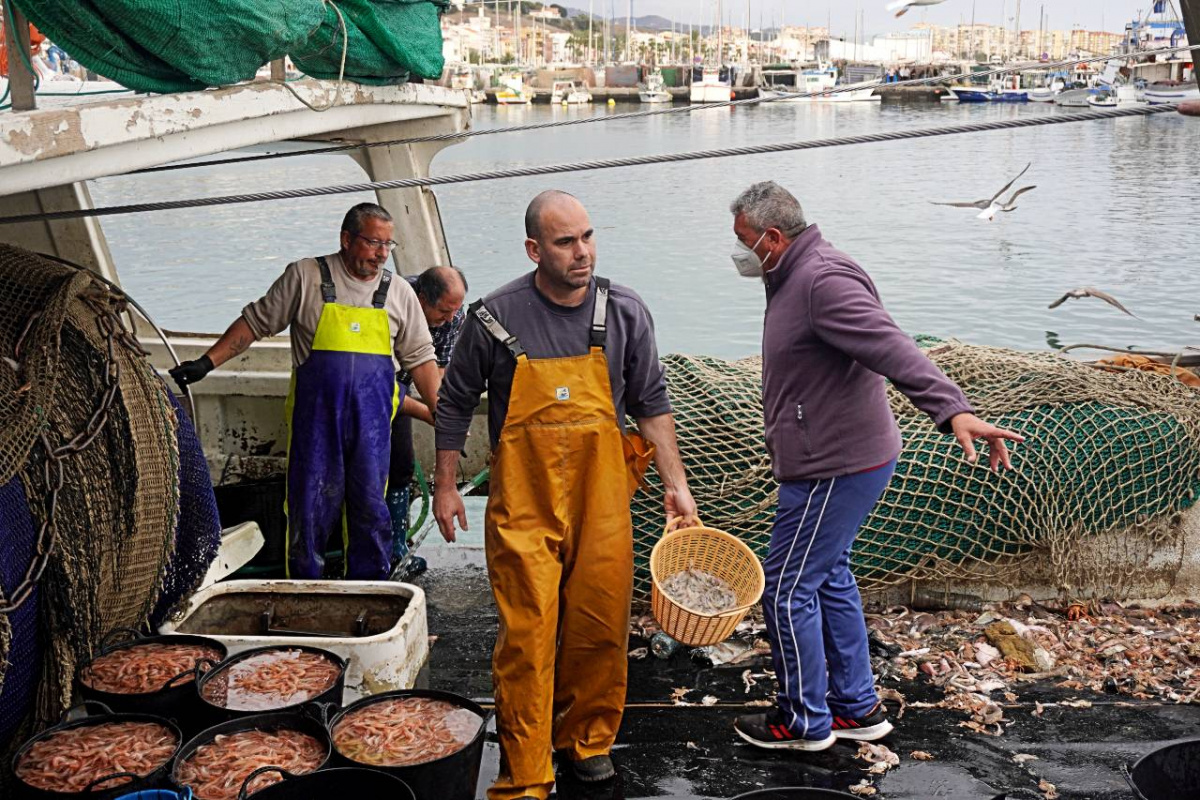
pixel 1171 92
pixel 710 88
pixel 654 90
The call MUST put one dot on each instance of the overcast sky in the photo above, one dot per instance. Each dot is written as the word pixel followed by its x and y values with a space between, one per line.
pixel 1110 15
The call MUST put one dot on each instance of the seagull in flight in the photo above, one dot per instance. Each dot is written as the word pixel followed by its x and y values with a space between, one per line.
pixel 1088 291
pixel 984 205
pixel 902 6
pixel 996 207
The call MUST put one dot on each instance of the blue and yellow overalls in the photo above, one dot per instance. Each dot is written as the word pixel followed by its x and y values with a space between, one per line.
pixel 340 410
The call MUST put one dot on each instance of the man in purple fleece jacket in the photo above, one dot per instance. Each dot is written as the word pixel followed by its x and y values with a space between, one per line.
pixel 828 345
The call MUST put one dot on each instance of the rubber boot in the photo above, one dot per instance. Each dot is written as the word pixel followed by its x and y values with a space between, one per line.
pixel 397 503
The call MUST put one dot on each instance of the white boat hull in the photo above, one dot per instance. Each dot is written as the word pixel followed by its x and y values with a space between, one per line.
pixel 711 93
pixel 655 97
pixel 1120 96
pixel 1073 98
pixel 1176 94
pixel 1041 96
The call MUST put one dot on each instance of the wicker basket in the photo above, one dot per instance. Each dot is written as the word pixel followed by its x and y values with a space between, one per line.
pixel 719 554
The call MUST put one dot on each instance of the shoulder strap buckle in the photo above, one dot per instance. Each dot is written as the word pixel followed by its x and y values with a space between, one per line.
pixel 599 332
pixel 328 292
pixel 379 299
pixel 493 326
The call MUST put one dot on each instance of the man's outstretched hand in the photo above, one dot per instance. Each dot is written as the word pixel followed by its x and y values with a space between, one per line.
pixel 968 428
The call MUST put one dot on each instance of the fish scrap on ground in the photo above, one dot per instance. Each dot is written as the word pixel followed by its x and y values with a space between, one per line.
pixel 878 756
pixel 981 660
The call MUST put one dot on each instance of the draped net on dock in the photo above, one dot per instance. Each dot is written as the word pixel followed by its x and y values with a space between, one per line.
pixel 76 389
pixel 1111 461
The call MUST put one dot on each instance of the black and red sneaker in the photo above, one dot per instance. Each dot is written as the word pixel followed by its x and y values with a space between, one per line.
pixel 769 731
pixel 868 728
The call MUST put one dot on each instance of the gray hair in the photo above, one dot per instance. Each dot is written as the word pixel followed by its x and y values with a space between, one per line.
pixel 355 217
pixel 769 205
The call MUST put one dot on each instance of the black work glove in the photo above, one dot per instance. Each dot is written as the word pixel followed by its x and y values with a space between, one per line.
pixel 191 371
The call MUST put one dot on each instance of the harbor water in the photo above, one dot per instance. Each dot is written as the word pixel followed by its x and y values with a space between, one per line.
pixel 1111 210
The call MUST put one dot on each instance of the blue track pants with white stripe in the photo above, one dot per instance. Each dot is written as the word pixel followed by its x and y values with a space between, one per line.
pixel 813 610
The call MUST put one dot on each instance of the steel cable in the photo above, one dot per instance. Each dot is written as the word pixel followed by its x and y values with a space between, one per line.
pixel 442 137
pixel 585 166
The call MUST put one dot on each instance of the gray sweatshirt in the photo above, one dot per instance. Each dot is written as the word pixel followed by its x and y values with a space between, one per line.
pixel 828 344
pixel 547 330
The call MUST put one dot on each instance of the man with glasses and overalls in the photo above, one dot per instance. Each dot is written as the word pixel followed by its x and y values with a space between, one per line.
pixel 352 327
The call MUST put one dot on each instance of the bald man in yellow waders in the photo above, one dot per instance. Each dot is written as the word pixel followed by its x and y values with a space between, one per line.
pixel 564 357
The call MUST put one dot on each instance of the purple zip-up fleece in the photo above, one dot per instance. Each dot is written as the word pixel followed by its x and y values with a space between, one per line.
pixel 828 344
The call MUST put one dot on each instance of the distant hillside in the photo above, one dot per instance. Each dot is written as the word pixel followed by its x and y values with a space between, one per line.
pixel 650 22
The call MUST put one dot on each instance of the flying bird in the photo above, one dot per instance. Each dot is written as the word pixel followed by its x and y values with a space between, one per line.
pixel 1087 291
pixel 990 212
pixel 902 6
pixel 985 204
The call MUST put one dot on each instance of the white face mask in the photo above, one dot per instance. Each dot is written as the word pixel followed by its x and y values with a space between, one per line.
pixel 748 264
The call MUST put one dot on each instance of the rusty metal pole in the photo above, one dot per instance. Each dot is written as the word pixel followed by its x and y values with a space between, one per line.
pixel 1191 21
pixel 16 42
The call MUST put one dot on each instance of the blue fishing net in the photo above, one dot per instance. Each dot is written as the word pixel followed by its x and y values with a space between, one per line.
pixel 17 540
pixel 198 533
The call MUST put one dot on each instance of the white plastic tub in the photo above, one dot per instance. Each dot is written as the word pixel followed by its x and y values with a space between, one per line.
pixel 389 655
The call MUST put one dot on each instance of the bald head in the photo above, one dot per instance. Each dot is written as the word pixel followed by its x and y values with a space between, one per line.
pixel 441 291
pixel 549 201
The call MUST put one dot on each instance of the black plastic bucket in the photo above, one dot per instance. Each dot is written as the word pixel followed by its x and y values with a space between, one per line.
pixel 176 700
pixel 153 780
pixel 308 719
pixel 357 782
pixel 452 777
pixel 796 793
pixel 1168 773
pixel 212 714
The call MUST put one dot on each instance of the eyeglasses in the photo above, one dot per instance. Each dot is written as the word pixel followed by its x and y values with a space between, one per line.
pixel 375 244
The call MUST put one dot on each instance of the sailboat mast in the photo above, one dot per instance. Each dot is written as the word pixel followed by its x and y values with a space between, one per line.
pixel 1017 30
pixel 720 36
pixel 629 32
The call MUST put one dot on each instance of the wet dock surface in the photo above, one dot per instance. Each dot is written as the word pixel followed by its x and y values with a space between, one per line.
pixel 691 751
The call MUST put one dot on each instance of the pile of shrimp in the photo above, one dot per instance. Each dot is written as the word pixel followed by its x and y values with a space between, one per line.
pixel 144 667
pixel 69 760
pixel 405 731
pixel 216 770
pixel 271 680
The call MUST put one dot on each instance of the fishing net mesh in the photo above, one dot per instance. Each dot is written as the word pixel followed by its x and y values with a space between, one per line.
pixel 77 392
pixel 182 45
pixel 1112 460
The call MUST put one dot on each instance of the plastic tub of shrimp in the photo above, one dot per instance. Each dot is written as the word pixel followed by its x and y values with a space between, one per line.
pixel 217 762
pixel 99 756
pixel 265 679
pixel 431 740
pixel 149 675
